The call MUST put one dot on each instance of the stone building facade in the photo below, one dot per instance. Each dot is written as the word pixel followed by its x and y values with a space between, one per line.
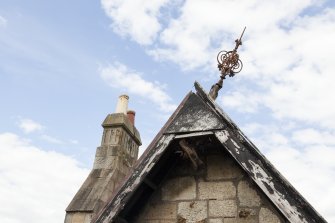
pixel 221 192
pixel 200 168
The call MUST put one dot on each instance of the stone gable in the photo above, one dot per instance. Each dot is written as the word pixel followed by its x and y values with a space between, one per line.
pixel 163 188
pixel 219 193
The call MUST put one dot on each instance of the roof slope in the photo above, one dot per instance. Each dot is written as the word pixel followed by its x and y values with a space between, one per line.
pixel 199 115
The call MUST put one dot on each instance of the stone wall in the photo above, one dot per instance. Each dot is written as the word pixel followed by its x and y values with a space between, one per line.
pixel 220 193
pixel 114 159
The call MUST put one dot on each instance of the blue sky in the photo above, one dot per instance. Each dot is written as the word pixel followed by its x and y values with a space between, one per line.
pixel 64 63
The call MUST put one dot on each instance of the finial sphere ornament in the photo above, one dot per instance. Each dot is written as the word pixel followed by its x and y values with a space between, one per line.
pixel 229 63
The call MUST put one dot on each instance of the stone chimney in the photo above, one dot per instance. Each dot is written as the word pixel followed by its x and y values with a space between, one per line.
pixel 113 160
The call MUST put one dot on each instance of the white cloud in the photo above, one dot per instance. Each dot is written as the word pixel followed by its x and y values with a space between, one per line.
pixel 119 76
pixel 29 126
pixel 243 102
pixel 288 55
pixel 3 21
pixel 293 69
pixel 35 185
pixel 305 157
pixel 137 18
pixel 286 52
pixel 311 171
pixel 313 136
pixel 74 141
pixel 51 139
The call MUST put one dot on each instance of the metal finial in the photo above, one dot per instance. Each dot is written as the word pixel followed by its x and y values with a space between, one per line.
pixel 229 63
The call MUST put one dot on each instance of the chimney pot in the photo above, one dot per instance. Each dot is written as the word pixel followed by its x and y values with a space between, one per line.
pixel 122 104
pixel 131 116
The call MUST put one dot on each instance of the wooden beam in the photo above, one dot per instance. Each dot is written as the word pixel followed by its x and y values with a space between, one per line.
pixel 191 154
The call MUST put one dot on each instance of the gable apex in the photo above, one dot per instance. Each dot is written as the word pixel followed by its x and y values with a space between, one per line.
pixel 188 122
pixel 195 116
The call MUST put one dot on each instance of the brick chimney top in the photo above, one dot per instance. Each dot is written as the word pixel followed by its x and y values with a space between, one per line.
pixel 131 116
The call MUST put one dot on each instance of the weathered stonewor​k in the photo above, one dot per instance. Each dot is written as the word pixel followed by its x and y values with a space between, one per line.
pixel 114 159
pixel 201 168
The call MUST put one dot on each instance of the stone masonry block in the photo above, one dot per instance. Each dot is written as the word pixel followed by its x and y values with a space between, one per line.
pixel 112 162
pixel 216 190
pixel 215 220
pixel 101 151
pixel 162 211
pixel 267 216
pixel 241 220
pixel 68 217
pixel 247 195
pixel 181 188
pixel 149 221
pixel 248 215
pixel 194 211
pixel 225 208
pixel 113 150
pixel 99 162
pixel 79 217
pixel 222 167
pixel 244 215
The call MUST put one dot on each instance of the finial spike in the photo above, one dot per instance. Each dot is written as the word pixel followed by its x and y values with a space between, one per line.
pixel 229 63
pixel 239 41
pixel 243 32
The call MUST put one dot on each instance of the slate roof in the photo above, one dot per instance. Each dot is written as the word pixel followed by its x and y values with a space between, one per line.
pixel 199 116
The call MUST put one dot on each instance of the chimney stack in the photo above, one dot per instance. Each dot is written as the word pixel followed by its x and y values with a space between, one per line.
pixel 122 104
pixel 114 159
pixel 131 116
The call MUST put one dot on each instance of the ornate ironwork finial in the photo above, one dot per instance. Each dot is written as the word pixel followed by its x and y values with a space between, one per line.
pixel 229 63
